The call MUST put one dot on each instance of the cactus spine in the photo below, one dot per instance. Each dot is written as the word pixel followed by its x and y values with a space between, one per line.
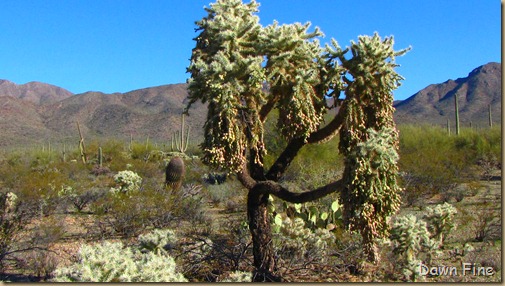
pixel 178 137
pixel 82 149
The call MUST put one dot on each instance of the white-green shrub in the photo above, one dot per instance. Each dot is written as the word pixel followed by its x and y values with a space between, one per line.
pixel 411 243
pixel 157 241
pixel 299 242
pixel 440 220
pixel 127 181
pixel 112 262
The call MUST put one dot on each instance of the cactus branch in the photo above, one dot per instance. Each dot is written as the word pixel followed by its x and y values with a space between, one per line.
pixel 490 117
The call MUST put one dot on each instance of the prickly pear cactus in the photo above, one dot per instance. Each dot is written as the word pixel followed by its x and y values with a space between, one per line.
pixel 175 172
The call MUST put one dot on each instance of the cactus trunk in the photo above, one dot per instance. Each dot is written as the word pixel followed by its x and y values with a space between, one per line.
pixel 490 117
pixel 181 144
pixel 64 153
pixel 100 156
pixel 456 110
pixel 82 149
pixel 259 226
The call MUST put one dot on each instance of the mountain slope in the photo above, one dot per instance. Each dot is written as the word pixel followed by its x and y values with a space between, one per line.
pixel 435 103
pixel 150 112
pixel 35 92
pixel 20 123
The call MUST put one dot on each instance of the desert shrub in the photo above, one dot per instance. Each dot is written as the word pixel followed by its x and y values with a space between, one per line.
pixel 12 221
pixel 128 215
pixel 487 164
pixel 316 165
pixel 42 186
pixel 478 143
pixel 79 199
pixel 120 215
pixel 112 262
pixel 430 153
pixel 206 254
pixel 100 170
pixel 440 221
pixel 349 252
pixel 411 244
pixel 214 178
pixel 194 170
pixel 238 276
pixel 41 263
pixel 141 151
pixel 486 224
pixel 221 193
pixel 14 218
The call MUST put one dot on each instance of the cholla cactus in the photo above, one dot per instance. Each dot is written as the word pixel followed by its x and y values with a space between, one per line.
pixel 11 200
pixel 410 240
pixel 373 193
pixel 300 241
pixel 112 262
pixel 157 241
pixel 235 58
pixel 127 181
pixel 440 220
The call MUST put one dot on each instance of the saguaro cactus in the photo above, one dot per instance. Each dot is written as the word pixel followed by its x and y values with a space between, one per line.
pixel 81 145
pixel 174 173
pixel 100 156
pixel 178 138
pixel 490 118
pixel 456 111
pixel 64 153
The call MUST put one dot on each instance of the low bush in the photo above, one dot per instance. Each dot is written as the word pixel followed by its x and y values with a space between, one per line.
pixel 238 276
pixel 434 162
pixel 486 224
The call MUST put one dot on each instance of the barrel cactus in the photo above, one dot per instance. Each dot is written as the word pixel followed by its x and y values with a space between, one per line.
pixel 174 173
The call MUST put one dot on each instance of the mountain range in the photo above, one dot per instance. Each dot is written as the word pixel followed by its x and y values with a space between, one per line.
pixel 435 104
pixel 35 113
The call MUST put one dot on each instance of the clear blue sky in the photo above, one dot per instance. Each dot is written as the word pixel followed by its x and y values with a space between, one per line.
pixel 122 45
